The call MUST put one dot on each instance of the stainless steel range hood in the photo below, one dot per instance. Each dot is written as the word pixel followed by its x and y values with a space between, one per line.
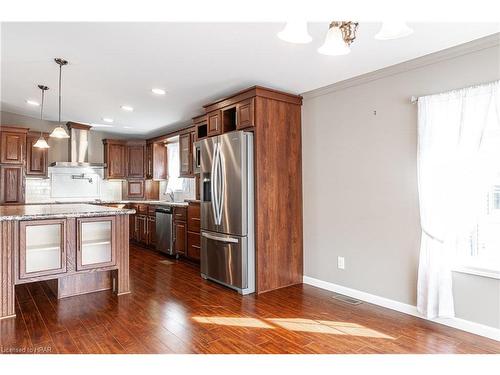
pixel 79 136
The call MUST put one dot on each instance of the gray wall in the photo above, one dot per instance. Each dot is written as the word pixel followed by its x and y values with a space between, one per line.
pixel 360 181
pixel 58 147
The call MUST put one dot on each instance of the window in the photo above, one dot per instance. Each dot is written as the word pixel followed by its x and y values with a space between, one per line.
pixel 479 253
pixel 175 183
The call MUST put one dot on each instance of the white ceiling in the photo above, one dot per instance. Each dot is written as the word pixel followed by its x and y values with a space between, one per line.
pixel 112 64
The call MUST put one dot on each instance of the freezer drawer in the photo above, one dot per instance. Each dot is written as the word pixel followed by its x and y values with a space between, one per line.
pixel 225 259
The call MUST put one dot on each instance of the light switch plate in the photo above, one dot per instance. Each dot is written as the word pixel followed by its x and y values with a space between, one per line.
pixel 341 263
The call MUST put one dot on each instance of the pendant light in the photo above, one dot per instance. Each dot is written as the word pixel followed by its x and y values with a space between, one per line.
pixel 393 30
pixel 41 142
pixel 59 131
pixel 295 32
pixel 338 38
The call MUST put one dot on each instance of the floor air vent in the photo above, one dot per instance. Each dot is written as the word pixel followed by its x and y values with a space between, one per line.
pixel 346 299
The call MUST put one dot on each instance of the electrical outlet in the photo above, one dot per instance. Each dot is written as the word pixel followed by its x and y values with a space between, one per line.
pixel 341 263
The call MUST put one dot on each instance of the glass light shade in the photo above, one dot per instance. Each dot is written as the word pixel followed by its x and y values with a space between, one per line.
pixel 393 30
pixel 41 143
pixel 59 132
pixel 334 44
pixel 295 32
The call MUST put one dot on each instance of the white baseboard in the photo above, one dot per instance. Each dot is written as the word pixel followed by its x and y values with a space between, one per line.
pixel 464 325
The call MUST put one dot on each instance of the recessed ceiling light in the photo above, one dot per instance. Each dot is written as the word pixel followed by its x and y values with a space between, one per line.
pixel 32 102
pixel 107 119
pixel 127 108
pixel 101 125
pixel 158 91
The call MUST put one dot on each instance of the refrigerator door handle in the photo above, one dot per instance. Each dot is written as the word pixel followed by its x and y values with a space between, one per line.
pixel 221 191
pixel 220 239
pixel 213 185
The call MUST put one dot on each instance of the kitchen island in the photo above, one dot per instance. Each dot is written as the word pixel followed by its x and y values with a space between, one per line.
pixel 74 248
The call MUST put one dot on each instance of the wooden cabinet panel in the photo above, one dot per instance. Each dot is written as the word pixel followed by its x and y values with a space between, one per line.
pixel 12 146
pixel 193 245
pixel 115 158
pixel 133 189
pixel 148 167
pixel 135 161
pixel 245 114
pixel 214 123
pixel 185 155
pixel 142 230
pixel 180 238
pixel 193 217
pixel 36 158
pixel 42 248
pixel 132 226
pixel 11 184
pixel 180 213
pixel 156 161
pixel 151 230
pixel 95 245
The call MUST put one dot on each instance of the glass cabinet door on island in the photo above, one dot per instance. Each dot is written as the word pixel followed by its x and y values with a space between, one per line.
pixel 42 249
pixel 95 247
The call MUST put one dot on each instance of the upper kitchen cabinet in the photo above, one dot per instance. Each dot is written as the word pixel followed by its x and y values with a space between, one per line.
pixel 214 123
pixel 156 161
pixel 185 155
pixel 12 145
pixel 115 159
pixel 200 127
pixel 245 114
pixel 125 159
pixel 136 157
pixel 11 184
pixel 37 159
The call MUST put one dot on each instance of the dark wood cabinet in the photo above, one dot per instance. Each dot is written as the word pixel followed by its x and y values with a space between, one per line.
pixel 214 123
pixel 180 230
pixel 142 230
pixel 185 155
pixel 193 217
pixel 136 153
pixel 193 246
pixel 134 189
pixel 180 238
pixel 115 159
pixel 11 184
pixel 37 159
pixel 245 114
pixel 156 161
pixel 132 228
pixel 151 230
pixel 193 231
pixel 12 145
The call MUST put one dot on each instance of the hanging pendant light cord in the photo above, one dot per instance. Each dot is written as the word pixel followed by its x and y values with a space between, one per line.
pixel 41 110
pixel 60 78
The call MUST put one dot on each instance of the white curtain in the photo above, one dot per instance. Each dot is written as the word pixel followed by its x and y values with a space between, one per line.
pixel 453 169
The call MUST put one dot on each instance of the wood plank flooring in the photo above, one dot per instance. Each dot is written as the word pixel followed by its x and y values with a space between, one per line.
pixel 172 310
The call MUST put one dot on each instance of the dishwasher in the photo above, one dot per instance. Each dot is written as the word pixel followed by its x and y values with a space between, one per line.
pixel 164 238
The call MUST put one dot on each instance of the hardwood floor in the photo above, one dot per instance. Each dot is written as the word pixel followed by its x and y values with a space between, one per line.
pixel 172 310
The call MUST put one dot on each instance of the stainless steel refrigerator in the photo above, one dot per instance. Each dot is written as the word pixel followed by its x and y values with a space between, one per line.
pixel 227 210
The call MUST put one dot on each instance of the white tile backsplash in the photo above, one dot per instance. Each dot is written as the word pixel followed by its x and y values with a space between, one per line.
pixel 38 190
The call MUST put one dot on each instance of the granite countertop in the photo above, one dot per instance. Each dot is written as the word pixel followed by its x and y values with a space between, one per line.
pixel 155 202
pixel 58 211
